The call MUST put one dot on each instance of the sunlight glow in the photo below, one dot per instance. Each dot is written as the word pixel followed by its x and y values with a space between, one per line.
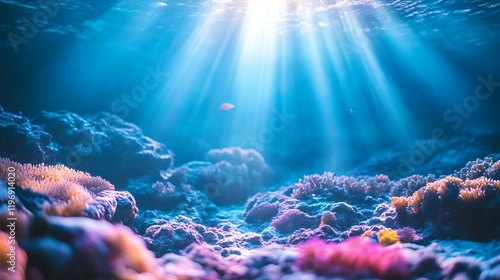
pixel 266 53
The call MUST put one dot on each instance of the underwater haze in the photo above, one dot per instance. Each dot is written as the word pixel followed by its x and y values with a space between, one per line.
pixel 249 139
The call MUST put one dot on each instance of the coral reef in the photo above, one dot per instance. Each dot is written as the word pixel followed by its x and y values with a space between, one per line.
pixel 456 207
pixel 13 259
pixel 340 187
pixel 293 220
pixel 156 193
pixel 224 219
pixel 71 192
pixel 73 188
pixel 171 237
pixel 81 248
pixel 408 235
pixel 229 176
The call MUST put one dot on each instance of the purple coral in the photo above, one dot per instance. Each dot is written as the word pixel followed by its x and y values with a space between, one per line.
pixel 82 248
pixel 477 168
pixel 410 184
pixel 261 212
pixel 407 235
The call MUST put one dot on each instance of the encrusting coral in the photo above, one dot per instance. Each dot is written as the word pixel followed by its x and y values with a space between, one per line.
pixel 353 258
pixel 73 189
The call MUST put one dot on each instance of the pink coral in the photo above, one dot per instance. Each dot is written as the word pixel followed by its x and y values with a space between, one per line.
pixel 352 258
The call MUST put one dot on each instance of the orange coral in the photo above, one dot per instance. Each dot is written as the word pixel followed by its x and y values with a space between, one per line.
pixel 327 218
pixel 367 234
pixel 469 191
pixel 399 202
pixel 73 189
pixel 465 207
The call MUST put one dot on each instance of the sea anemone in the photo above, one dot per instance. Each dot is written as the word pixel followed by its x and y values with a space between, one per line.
pixel 73 189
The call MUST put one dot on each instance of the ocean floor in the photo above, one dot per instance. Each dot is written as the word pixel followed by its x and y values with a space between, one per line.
pixel 92 197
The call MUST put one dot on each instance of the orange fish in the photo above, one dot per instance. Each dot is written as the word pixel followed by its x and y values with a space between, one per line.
pixel 226 106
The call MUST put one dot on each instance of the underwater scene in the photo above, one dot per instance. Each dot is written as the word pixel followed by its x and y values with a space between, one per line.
pixel 249 139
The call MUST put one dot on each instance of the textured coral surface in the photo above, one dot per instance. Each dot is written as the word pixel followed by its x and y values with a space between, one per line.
pixel 225 217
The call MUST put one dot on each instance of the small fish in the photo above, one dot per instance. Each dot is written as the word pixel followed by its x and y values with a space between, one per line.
pixel 226 106
pixel 161 4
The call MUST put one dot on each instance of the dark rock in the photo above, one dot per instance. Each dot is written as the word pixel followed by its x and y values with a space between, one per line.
pixel 101 144
pixel 23 141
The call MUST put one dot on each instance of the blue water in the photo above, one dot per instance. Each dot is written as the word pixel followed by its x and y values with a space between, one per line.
pixel 315 84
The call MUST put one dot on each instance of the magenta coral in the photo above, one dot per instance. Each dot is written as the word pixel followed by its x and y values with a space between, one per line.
pixel 353 257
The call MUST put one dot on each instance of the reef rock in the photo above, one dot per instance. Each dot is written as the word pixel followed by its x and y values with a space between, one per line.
pixel 230 176
pixel 24 141
pixel 101 144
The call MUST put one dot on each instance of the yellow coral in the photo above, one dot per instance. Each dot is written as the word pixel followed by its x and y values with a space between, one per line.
pixel 74 189
pixel 387 236
pixel 470 191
